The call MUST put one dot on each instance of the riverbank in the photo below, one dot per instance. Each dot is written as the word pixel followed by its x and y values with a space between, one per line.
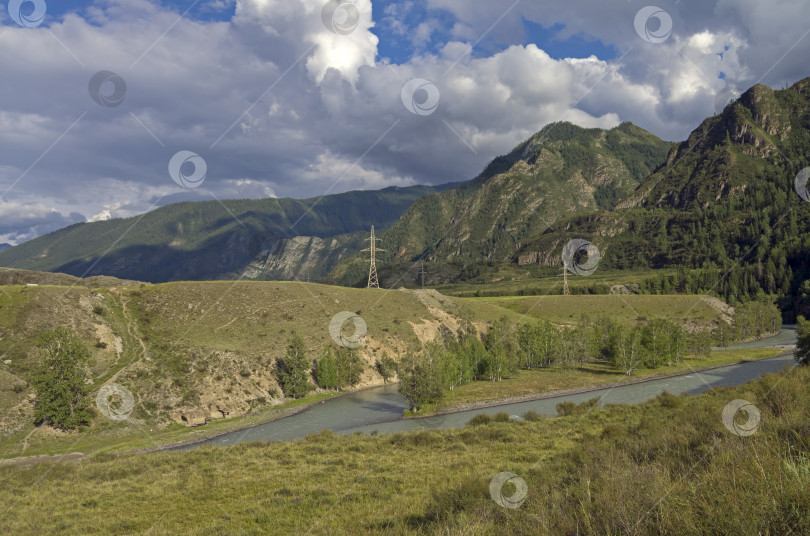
pixel 355 410
pixel 657 467
pixel 171 438
pixel 359 408
pixel 541 384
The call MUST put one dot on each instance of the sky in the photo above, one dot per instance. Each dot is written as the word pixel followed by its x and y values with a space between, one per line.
pixel 111 108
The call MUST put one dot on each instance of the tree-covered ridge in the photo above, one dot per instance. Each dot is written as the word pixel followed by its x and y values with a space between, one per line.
pixel 560 171
pixel 213 240
pixel 724 203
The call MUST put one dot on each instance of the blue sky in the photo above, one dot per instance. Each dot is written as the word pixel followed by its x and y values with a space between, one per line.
pixel 277 102
pixel 395 46
pixel 398 48
pixel 207 10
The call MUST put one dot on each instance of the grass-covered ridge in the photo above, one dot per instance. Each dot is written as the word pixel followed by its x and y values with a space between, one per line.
pixel 669 466
pixel 203 350
pixel 218 240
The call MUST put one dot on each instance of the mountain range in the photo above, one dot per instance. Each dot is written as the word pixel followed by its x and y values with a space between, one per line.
pixel 723 201
pixel 265 239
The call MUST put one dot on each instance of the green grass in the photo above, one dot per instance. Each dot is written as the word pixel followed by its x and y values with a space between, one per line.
pixel 629 309
pixel 205 343
pixel 668 466
pixel 533 280
pixel 587 375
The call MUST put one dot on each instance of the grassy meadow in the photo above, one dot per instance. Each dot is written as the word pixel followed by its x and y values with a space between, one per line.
pixel 668 466
pixel 629 309
pixel 197 346
pixel 585 375
pixel 508 279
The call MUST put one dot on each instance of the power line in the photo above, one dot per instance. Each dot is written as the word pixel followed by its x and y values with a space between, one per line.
pixel 373 281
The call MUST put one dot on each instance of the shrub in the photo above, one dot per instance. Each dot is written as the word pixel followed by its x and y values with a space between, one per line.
pixel 481 418
pixel 668 400
pixel 571 408
pixel 532 416
pixel 501 416
pixel 565 408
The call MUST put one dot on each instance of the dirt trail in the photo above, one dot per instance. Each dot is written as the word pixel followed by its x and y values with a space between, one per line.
pixel 132 335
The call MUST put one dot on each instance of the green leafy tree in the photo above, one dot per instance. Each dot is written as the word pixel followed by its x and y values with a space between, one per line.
pixel 700 343
pixel 350 367
pixel 658 337
pixel 627 349
pixel 472 353
pixel 421 377
pixel 387 367
pixel 502 349
pixel 675 344
pixel 722 333
pixel 60 385
pixel 326 370
pixel 293 370
pixel 802 353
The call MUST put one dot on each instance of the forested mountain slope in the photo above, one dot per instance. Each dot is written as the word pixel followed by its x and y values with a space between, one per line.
pixel 254 239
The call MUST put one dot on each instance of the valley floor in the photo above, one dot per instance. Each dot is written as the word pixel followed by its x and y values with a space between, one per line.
pixel 670 466
pixel 554 381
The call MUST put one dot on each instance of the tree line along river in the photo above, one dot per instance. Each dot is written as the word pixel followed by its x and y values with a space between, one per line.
pixel 381 409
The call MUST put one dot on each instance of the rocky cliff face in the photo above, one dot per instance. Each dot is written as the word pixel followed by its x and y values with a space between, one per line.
pixel 302 258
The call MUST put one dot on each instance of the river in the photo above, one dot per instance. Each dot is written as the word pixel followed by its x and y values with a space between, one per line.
pixel 381 408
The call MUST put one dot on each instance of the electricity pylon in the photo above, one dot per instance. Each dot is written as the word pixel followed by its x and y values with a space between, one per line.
pixel 373 282
pixel 566 292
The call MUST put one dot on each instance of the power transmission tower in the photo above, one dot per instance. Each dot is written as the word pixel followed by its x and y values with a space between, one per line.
pixel 566 292
pixel 373 282
pixel 422 273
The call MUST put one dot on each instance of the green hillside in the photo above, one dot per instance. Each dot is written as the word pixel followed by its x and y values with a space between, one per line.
pixel 560 171
pixel 724 202
pixel 196 350
pixel 720 215
pixel 668 466
pixel 255 239
pixel 192 352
